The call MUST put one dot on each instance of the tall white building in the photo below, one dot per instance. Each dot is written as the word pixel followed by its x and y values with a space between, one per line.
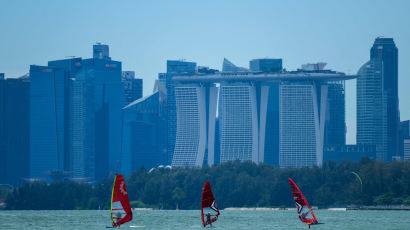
pixel 238 117
pixel 262 117
pixel 301 124
pixel 195 136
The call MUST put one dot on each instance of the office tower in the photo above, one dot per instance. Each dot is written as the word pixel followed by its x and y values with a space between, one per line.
pixel 14 130
pixel 100 83
pixel 141 134
pixel 132 87
pixel 371 108
pixel 335 127
pixel 92 97
pixel 238 117
pixel 167 100
pixel 302 116
pixel 404 140
pixel 47 116
pixel 228 66
pixel 386 50
pixel 266 65
pixel 196 111
pixel 377 100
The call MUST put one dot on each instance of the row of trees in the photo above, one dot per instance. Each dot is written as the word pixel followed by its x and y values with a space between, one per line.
pixel 234 184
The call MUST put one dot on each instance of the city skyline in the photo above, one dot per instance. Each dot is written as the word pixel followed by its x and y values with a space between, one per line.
pixel 143 36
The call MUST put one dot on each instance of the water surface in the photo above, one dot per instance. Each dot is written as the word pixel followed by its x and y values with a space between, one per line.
pixel 181 219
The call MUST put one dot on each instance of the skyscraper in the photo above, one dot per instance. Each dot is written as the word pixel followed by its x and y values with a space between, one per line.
pixel 76 116
pixel 14 129
pixel 238 122
pixel 47 116
pixel 141 134
pixel 132 86
pixel 377 100
pixel 103 96
pixel 302 116
pixel 335 127
pixel 167 100
pixel 385 49
pixel 195 139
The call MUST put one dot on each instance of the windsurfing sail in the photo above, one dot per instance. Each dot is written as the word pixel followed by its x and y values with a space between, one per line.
pixel 120 205
pixel 209 209
pixel 305 212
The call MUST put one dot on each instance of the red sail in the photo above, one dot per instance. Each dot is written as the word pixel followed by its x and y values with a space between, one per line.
pixel 209 209
pixel 306 214
pixel 120 205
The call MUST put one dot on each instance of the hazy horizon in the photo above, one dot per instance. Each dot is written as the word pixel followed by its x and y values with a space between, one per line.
pixel 143 35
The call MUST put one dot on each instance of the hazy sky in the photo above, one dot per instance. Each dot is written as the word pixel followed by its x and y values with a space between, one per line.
pixel 144 34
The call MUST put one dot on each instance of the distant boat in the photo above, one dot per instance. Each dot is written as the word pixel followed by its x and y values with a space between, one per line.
pixel 208 206
pixel 305 212
pixel 120 205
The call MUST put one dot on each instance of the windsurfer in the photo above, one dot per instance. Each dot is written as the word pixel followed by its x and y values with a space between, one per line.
pixel 208 219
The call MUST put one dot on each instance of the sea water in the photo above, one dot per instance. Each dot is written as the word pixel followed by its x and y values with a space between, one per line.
pixel 190 219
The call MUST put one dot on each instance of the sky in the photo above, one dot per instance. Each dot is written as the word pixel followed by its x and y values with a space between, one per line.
pixel 144 34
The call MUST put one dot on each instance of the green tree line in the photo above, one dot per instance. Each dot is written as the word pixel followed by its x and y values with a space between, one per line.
pixel 234 184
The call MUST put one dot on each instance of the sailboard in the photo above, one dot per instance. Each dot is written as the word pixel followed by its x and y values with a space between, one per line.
pixel 209 209
pixel 120 205
pixel 305 212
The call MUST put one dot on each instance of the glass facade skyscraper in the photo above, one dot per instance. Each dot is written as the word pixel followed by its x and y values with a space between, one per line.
pixel 377 100
pixel 47 116
pixel 335 127
pixel 14 130
pixel 75 117
pixel 141 135
pixel 385 49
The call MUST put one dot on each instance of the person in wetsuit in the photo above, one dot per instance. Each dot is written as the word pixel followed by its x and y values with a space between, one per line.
pixel 208 219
